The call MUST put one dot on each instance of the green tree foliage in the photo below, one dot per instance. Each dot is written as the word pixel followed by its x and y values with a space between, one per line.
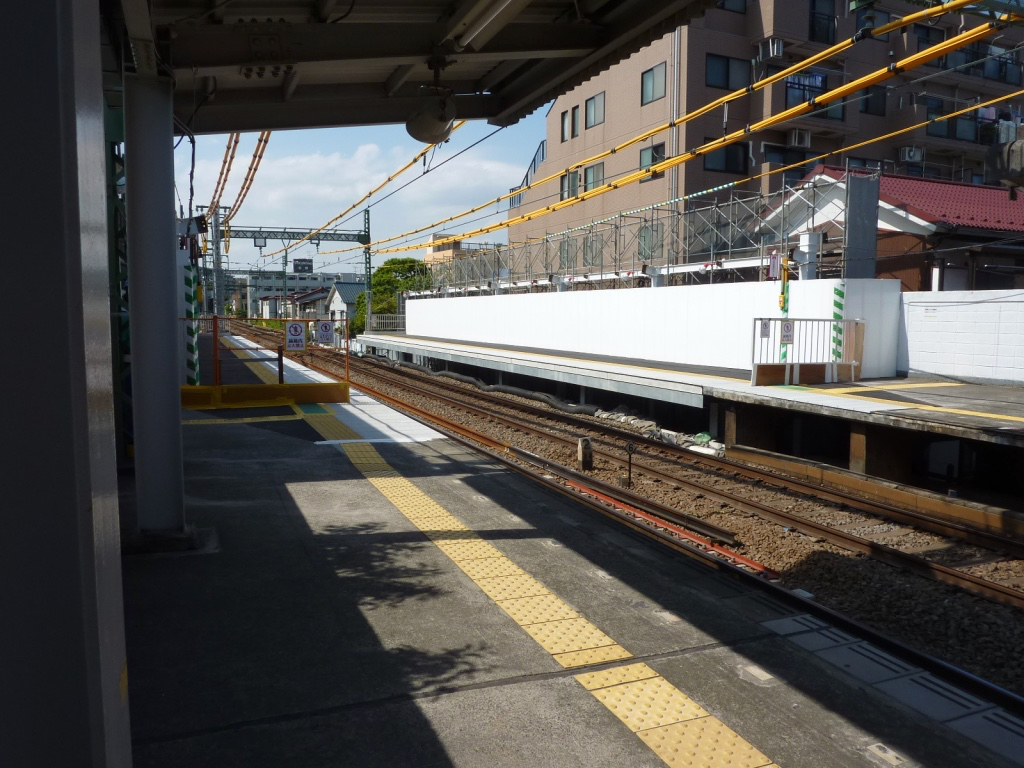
pixel 389 280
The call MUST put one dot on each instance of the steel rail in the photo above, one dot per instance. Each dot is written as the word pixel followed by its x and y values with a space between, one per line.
pixel 912 563
pixel 936 525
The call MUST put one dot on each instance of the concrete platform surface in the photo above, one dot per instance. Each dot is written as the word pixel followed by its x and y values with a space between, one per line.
pixel 362 610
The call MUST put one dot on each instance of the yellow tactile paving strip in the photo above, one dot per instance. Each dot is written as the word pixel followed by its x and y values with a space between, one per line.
pixel 257 366
pixel 672 725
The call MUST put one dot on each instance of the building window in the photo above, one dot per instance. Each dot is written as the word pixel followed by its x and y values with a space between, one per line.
pixel 736 6
pixel 593 244
pixel 872 100
pixel 725 72
pixel 570 185
pixel 652 156
pixel 595 110
pixel 823 22
pixel 864 162
pixel 649 242
pixel 927 36
pixel 877 18
pixel 565 126
pixel 803 87
pixel 652 84
pixel 730 159
pixel 575 121
pixel 781 157
pixel 566 253
pixel 593 177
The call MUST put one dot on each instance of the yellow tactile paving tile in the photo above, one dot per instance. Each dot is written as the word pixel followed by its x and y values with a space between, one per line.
pixel 645 702
pixel 537 609
pixel 265 374
pixel 489 568
pixel 467 550
pixel 649 703
pixel 703 743
pixel 592 656
pixel 567 635
pixel 249 420
pixel 328 426
pixel 615 676
pixel 509 587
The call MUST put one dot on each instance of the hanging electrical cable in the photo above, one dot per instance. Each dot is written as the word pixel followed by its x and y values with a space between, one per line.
pixel 225 171
pixel 924 15
pixel 250 174
pixel 364 198
pixel 873 78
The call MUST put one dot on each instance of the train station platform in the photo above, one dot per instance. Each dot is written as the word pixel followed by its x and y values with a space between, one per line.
pixel 927 403
pixel 383 596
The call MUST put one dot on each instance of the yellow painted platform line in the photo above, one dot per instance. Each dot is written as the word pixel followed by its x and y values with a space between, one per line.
pixel 586 360
pixel 672 725
pixel 932 408
pixel 883 388
pixel 251 420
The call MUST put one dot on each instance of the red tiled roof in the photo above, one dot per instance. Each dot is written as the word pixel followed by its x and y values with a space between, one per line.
pixel 950 203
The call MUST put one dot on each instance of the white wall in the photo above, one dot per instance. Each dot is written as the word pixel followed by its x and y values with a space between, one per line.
pixel 708 325
pixel 971 335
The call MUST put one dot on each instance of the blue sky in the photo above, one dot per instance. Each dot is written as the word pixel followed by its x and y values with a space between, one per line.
pixel 309 177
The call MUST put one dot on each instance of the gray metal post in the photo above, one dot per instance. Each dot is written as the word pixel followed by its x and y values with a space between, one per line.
pixel 63 632
pixel 153 292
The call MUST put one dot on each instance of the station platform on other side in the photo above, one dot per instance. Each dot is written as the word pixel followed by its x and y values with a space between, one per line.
pixel 992 413
pixel 384 596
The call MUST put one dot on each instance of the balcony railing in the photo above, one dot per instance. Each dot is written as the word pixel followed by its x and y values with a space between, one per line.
pixel 823 28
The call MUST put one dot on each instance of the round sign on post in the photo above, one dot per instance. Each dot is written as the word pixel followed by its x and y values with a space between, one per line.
pixel 787 331
pixel 325 332
pixel 295 336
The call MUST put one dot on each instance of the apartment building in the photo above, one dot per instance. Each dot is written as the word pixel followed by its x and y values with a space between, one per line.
pixel 738 43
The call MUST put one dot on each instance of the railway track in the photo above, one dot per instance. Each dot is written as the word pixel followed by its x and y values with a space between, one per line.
pixel 748 507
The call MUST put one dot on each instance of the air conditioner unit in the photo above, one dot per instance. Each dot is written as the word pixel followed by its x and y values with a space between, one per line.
pixel 911 154
pixel 769 49
pixel 800 138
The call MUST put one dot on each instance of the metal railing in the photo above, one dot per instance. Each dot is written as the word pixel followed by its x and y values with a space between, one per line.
pixel 393 323
pixel 829 350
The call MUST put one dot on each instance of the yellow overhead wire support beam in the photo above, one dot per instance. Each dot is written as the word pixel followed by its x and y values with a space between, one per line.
pixel 880 75
pixel 225 172
pixel 829 52
pixel 364 198
pixel 250 174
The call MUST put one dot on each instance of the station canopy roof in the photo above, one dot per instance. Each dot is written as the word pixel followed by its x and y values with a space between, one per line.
pixel 247 65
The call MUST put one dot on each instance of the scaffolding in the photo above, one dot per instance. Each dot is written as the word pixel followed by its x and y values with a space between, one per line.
pixel 691 241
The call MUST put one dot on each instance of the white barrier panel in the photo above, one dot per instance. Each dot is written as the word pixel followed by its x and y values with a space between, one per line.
pixel 705 325
pixel 971 335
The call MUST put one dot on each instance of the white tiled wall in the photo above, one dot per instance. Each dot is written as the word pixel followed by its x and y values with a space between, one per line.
pixel 973 335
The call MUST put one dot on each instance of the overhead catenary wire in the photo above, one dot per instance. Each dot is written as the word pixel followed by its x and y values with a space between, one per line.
pixel 225 171
pixel 829 52
pixel 250 174
pixel 363 199
pixel 873 78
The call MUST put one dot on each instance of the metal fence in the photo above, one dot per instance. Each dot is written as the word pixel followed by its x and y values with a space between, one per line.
pixel 384 323
pixel 828 350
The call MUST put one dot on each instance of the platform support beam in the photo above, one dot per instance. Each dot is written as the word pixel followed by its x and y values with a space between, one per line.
pixel 153 292
pixel 858 448
pixel 729 438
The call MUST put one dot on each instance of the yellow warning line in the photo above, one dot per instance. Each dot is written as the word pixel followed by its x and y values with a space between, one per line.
pixel 932 408
pixel 252 420
pixel 883 388
pixel 671 724
pixel 543 356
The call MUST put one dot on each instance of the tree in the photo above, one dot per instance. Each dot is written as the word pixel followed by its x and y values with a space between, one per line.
pixel 390 279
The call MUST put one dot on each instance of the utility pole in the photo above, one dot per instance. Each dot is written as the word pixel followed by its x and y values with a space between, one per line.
pixel 284 283
pixel 366 269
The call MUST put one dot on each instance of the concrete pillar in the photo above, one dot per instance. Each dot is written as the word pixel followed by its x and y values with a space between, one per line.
pixel 729 438
pixel 153 303
pixel 63 629
pixel 858 448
